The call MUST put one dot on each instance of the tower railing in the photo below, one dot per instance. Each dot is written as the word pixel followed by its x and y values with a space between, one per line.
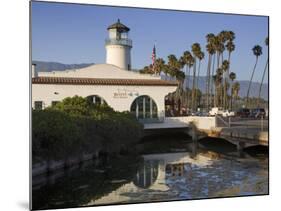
pixel 121 41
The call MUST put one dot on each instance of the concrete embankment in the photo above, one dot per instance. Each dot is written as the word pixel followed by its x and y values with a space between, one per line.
pixel 51 166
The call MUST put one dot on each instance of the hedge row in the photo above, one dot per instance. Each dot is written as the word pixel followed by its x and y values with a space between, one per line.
pixel 75 126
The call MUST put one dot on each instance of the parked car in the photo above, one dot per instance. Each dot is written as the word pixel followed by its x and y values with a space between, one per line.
pixel 243 112
pixel 215 111
pixel 227 113
pixel 258 113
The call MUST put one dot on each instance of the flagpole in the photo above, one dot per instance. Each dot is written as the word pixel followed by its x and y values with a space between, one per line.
pixel 154 57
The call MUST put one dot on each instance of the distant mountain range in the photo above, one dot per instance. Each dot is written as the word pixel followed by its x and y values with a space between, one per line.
pixel 50 66
pixel 254 92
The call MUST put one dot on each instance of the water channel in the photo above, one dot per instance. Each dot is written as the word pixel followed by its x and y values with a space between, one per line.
pixel 165 170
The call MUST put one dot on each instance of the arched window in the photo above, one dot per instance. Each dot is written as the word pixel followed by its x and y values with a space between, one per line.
pixel 144 107
pixel 97 100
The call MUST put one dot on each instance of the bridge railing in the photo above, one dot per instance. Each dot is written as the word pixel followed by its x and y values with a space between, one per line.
pixel 254 123
pixel 151 120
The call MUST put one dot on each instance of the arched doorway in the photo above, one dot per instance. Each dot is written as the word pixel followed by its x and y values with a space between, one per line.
pixel 144 107
pixel 96 100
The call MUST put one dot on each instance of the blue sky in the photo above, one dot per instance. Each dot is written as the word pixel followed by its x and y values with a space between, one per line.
pixel 73 33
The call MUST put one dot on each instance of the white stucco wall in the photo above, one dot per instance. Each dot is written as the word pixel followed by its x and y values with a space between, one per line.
pixel 118 55
pixel 46 93
pixel 99 71
pixel 202 123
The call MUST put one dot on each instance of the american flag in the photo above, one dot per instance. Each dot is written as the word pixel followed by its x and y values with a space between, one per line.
pixel 153 57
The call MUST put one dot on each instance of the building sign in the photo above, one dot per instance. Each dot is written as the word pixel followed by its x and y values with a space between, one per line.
pixel 125 93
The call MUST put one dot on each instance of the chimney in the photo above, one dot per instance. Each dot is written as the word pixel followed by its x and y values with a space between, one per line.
pixel 34 72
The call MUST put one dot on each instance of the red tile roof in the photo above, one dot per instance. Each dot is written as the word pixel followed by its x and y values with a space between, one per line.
pixel 102 81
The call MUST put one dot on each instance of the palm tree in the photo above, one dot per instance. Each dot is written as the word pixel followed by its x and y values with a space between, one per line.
pixel 173 64
pixel 219 47
pixel 211 78
pixel 257 51
pixel 218 86
pixel 230 48
pixel 232 77
pixel 201 56
pixel 235 90
pixel 186 57
pixel 146 70
pixel 264 71
pixel 166 70
pixel 211 51
pixel 222 37
pixel 196 49
pixel 225 67
pixel 191 62
pixel 158 65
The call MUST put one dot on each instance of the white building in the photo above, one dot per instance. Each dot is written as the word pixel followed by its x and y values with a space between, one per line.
pixel 112 83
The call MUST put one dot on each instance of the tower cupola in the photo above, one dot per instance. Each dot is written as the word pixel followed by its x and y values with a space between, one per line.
pixel 118 46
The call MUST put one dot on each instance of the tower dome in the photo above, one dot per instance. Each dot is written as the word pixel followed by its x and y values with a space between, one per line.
pixel 118 46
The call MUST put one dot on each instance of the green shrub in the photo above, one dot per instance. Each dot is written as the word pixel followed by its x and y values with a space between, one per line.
pixel 74 126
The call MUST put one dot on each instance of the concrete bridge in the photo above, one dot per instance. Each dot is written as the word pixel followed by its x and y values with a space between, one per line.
pixel 241 132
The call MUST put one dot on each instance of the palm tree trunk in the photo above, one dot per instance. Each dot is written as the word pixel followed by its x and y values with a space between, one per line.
pixel 217 86
pixel 208 82
pixel 227 101
pixel 187 85
pixel 185 80
pixel 197 84
pixel 211 79
pixel 264 71
pixel 193 85
pixel 231 101
pixel 247 98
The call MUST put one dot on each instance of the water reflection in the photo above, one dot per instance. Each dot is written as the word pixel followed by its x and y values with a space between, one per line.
pixel 146 174
pixel 174 176
pixel 157 177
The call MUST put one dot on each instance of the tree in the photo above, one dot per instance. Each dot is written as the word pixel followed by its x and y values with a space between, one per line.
pixel 174 65
pixel 186 60
pixel 200 57
pixel 218 79
pixel 211 51
pixel 257 51
pixel 230 48
pixel 225 67
pixel 232 77
pixel 196 49
pixel 146 70
pixel 158 65
pixel 75 106
pixel 235 90
pixel 264 71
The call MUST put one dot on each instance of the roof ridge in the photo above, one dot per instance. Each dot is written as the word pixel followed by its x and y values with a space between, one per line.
pixel 101 81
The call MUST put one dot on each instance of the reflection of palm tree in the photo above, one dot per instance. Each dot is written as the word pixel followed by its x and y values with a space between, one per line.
pixel 257 51
pixel 264 71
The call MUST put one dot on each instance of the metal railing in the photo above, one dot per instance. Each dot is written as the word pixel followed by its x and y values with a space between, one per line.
pixel 121 41
pixel 255 123
pixel 151 120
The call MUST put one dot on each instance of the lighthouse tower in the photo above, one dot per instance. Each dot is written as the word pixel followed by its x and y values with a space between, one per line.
pixel 118 46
